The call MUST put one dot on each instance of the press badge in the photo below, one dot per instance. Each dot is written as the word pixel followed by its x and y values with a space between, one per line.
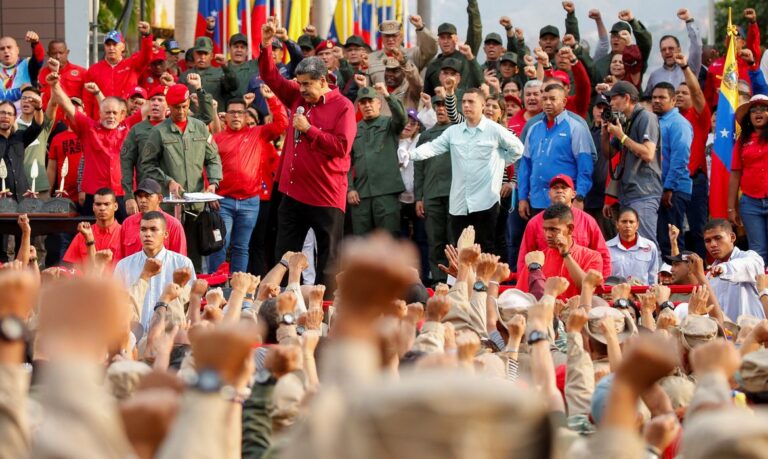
pixel 217 235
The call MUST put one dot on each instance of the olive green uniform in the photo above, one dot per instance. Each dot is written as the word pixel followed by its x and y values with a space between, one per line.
pixel 432 185
pixel 375 171
pixel 243 73
pixel 219 82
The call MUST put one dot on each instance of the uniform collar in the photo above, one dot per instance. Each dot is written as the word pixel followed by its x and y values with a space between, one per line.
pixel 109 229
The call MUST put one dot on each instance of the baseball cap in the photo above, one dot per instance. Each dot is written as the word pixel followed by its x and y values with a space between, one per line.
pixel 203 45
pixel 390 27
pixel 562 76
pixel 413 114
pixel 391 64
pixel 113 35
pixel 549 30
pixel 177 94
pixel 355 40
pixel 621 26
pixel 754 371
pixel 172 46
pixel 665 268
pixel 696 330
pixel 238 38
pixel 325 45
pixel 622 324
pixel 623 88
pixel 509 98
pixel 509 57
pixel 366 93
pixel 136 91
pixel 632 58
pixel 305 41
pixel 437 100
pixel 446 27
pixel 452 64
pixel 513 301
pixel 682 256
pixel 493 36
pixel 158 55
pixel 561 178
pixel 149 186
pixel 277 43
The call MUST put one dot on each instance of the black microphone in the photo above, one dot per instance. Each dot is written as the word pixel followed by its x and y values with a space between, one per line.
pixel 296 132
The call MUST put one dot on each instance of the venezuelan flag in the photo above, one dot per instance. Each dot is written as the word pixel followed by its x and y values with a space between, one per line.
pixel 725 130
pixel 343 24
pixel 298 17
pixel 207 8
pixel 368 21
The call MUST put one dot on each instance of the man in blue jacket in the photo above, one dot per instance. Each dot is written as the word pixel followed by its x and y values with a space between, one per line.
pixel 559 143
pixel 676 138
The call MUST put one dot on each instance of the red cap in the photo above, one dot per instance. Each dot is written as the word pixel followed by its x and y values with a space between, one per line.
pixel 177 94
pixel 561 178
pixel 136 90
pixel 159 90
pixel 562 76
pixel 158 55
pixel 514 99
pixel 325 44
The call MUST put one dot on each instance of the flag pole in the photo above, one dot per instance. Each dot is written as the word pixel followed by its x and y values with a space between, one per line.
pixel 249 27
pixel 224 27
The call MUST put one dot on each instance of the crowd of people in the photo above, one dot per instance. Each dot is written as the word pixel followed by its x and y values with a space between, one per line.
pixel 529 253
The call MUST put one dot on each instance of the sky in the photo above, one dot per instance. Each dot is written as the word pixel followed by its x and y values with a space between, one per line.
pixel 659 16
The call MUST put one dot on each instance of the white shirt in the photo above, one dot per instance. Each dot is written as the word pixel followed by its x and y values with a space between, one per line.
pixel 478 157
pixel 404 149
pixel 736 287
pixel 128 270
pixel 641 261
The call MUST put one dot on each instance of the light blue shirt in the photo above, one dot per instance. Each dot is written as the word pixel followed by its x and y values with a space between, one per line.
pixel 478 157
pixel 128 270
pixel 640 261
pixel 736 288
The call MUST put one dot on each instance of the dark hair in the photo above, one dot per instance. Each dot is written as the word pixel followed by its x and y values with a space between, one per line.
pixel 502 106
pixel 511 81
pixel 236 100
pixel 624 210
pixel 312 66
pixel 56 41
pixel 31 89
pixel 555 87
pixel 106 192
pixel 747 129
pixel 155 215
pixel 476 91
pixel 560 212
pixel 666 86
pixel 718 223
pixel 268 316
pixel 10 104
pixel 667 37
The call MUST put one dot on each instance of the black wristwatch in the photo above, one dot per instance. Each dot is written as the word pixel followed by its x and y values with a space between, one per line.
pixel 90 243
pixel 287 319
pixel 300 329
pixel 160 304
pixel 284 262
pixel 622 303
pixel 665 305
pixel 249 297
pixel 565 254
pixel 479 286
pixel 264 377
pixel 535 336
pixel 534 266
pixel 12 329
pixel 580 197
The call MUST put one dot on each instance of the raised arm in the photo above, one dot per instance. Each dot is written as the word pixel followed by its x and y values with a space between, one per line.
pixel 474 26
pixel 287 91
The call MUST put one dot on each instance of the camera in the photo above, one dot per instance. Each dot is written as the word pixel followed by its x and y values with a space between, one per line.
pixel 609 116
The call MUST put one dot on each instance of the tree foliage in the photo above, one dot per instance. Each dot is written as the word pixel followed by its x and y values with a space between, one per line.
pixel 737 15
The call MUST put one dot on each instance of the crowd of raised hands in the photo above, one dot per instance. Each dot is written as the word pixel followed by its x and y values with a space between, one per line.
pixel 255 370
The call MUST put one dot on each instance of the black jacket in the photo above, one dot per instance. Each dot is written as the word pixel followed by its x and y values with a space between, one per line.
pixel 12 152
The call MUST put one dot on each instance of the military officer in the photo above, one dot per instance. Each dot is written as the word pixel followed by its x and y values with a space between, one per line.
pixel 392 39
pixel 219 82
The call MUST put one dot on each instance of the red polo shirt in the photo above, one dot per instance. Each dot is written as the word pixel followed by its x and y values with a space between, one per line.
pixel 130 236
pixel 752 160
pixel 66 145
pixel 586 233
pixel 270 159
pixel 702 124
pixel 241 153
pixel 554 265
pixel 105 238
pixel 116 80
pixel 314 170
pixel 101 149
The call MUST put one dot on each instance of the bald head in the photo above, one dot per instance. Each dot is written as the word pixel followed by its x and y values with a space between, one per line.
pixel 9 51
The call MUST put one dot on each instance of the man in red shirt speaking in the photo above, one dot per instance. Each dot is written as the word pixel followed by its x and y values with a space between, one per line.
pixel 562 257
pixel 240 148
pixel 316 158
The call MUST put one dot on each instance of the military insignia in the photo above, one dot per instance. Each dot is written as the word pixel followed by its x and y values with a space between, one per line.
pixel 150 80
pixel 75 72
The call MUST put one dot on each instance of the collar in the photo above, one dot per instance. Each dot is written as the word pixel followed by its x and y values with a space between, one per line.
pixel 160 255
pixel 641 243
pixel 109 229
pixel 559 118
pixel 670 113
pixel 174 128
pixel 480 126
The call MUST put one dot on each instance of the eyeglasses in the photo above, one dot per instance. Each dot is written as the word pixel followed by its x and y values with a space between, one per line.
pixel 758 109
pixel 28 98
pixel 9 114
pixel 236 112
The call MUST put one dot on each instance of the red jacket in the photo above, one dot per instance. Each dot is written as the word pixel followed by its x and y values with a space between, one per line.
pixel 715 70
pixel 117 80
pixel 72 79
pixel 586 233
pixel 579 102
pixel 241 153
pixel 314 170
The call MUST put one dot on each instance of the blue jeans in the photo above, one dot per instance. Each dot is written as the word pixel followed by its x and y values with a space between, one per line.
pixel 698 214
pixel 675 216
pixel 239 219
pixel 754 214
pixel 648 210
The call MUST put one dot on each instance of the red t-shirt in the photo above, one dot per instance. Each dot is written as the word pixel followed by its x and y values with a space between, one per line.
pixel 66 145
pixel 130 236
pixel 702 124
pixel 554 265
pixel 105 238
pixel 752 160
pixel 241 153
